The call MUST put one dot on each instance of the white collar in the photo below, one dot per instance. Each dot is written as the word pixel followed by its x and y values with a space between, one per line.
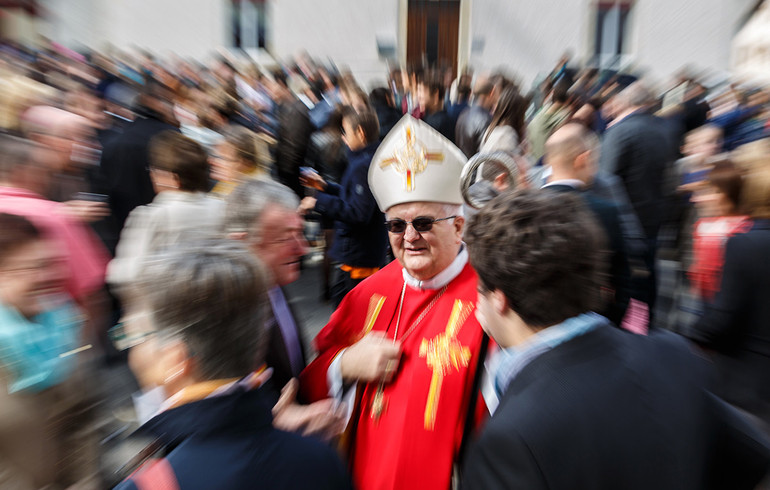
pixel 574 183
pixel 442 278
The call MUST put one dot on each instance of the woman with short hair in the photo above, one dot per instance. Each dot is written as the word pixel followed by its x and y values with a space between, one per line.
pixel 717 200
pixel 181 211
pixel 196 328
pixel 735 327
pixel 243 155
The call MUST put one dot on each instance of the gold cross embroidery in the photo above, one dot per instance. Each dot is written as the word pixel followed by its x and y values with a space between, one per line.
pixel 411 160
pixel 376 301
pixel 441 353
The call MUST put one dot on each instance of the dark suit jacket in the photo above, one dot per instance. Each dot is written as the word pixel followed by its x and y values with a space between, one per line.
pixel 737 324
pixel 277 355
pixel 125 166
pixel 294 130
pixel 228 442
pixel 470 128
pixel 441 122
pixel 611 410
pixel 620 273
pixel 640 149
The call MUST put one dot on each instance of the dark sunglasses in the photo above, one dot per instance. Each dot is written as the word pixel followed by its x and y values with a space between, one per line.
pixel 421 224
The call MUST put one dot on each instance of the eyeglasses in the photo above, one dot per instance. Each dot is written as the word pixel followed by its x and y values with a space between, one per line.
pixel 123 340
pixel 421 224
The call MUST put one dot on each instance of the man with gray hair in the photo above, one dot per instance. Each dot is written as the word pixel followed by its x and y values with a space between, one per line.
pixel 264 215
pixel 639 149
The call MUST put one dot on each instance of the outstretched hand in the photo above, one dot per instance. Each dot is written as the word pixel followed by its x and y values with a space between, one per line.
pixel 321 418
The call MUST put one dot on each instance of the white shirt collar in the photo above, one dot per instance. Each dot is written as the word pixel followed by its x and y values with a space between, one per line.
pixel 574 183
pixel 442 278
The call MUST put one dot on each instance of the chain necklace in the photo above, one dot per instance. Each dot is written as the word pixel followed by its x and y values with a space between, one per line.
pixel 378 402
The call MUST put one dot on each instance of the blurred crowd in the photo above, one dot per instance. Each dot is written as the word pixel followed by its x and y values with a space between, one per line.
pixel 129 183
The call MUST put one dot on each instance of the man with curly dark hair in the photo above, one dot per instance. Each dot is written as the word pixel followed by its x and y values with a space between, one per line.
pixel 582 404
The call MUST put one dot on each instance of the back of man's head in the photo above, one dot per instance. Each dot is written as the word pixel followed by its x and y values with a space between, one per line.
pixel 212 295
pixel 634 96
pixel 434 86
pixel 246 204
pixel 544 253
pixel 566 143
pixel 560 92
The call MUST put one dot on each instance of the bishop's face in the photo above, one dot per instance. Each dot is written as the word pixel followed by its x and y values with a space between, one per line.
pixel 425 254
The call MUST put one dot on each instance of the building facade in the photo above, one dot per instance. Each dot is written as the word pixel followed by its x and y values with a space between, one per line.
pixel 523 37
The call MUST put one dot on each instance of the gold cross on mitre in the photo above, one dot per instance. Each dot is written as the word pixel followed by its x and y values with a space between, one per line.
pixel 411 159
pixel 441 353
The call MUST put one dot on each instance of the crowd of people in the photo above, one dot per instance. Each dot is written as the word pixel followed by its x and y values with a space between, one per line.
pixel 558 287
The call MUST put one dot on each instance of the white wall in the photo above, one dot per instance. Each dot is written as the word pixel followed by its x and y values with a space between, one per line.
pixel 750 57
pixel 527 37
pixel 344 31
pixel 667 35
pixel 74 23
pixel 185 27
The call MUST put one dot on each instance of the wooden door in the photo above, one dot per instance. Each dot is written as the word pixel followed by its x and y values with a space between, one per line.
pixel 433 32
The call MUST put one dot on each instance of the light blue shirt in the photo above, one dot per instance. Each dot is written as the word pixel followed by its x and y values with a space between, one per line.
pixel 34 351
pixel 509 362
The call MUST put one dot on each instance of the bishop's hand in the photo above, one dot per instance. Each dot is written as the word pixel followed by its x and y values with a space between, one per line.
pixel 373 358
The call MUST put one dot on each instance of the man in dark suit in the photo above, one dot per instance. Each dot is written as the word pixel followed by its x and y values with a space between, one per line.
pixel 125 165
pixel 473 121
pixel 294 131
pixel 264 214
pixel 639 148
pixel 571 154
pixel 429 94
pixel 583 405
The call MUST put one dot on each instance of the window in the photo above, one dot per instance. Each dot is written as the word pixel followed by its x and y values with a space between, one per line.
pixel 611 29
pixel 248 23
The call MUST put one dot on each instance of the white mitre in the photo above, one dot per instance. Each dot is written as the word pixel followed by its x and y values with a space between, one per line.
pixel 415 163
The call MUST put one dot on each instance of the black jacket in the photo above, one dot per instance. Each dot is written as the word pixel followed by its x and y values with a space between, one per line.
pixel 640 149
pixel 442 122
pixel 360 238
pixel 736 326
pixel 387 116
pixel 229 442
pixel 125 166
pixel 470 128
pixel 612 410
pixel 608 217
pixel 294 130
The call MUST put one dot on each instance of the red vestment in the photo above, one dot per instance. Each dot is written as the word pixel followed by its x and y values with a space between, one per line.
pixel 416 438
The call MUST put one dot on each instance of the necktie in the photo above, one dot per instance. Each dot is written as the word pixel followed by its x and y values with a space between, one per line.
pixel 285 322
